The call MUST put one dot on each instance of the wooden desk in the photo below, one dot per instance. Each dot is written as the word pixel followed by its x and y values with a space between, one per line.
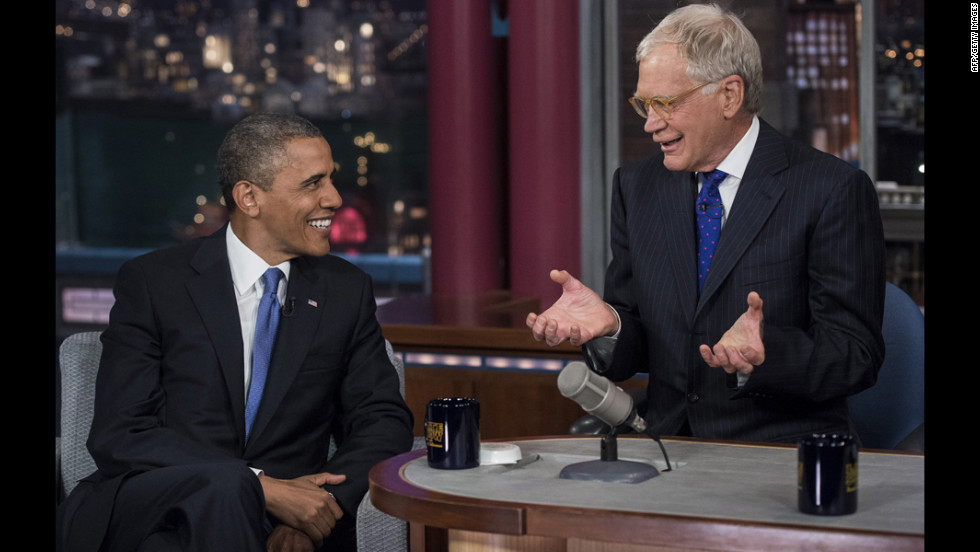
pixel 483 328
pixel 501 392
pixel 720 496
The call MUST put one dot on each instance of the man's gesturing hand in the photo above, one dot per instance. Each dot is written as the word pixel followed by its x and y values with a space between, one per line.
pixel 577 316
pixel 741 348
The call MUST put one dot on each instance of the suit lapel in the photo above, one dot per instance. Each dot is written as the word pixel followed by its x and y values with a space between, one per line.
pixel 214 295
pixel 676 206
pixel 758 194
pixel 297 327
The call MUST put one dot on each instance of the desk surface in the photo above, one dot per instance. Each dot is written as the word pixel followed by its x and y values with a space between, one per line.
pixel 718 496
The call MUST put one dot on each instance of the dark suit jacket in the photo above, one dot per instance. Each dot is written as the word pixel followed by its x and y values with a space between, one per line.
pixel 170 389
pixel 805 233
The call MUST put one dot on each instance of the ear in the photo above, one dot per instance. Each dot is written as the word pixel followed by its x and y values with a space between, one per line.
pixel 733 91
pixel 245 200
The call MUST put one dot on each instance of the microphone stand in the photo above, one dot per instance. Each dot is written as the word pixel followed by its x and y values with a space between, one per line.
pixel 609 467
pixel 597 353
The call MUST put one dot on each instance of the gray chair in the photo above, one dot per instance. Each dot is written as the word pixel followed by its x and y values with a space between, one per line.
pixel 79 360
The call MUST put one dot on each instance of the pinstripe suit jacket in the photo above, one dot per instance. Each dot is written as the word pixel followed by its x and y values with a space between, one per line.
pixel 805 233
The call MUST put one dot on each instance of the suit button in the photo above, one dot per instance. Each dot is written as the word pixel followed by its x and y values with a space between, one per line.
pixel 693 397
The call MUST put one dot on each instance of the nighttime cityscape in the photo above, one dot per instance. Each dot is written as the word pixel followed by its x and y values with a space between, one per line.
pixel 147 88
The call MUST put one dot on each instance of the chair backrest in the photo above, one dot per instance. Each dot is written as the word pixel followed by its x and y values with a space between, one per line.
pixel 399 364
pixel 894 406
pixel 79 360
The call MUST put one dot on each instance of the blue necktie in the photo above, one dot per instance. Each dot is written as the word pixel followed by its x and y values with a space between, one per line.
pixel 265 337
pixel 709 210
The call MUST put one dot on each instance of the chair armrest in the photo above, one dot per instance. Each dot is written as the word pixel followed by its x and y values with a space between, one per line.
pixel 377 530
pixel 59 487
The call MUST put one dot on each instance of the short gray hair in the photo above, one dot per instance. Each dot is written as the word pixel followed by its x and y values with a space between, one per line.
pixel 715 44
pixel 255 150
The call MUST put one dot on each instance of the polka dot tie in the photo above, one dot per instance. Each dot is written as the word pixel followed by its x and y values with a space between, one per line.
pixel 709 210
pixel 266 324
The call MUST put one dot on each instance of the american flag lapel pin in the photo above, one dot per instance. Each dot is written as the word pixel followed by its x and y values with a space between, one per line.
pixel 311 303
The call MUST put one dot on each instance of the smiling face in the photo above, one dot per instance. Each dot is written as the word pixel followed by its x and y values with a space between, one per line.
pixel 293 217
pixel 701 131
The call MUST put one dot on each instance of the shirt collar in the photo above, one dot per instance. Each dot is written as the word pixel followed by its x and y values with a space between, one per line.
pixel 247 267
pixel 737 160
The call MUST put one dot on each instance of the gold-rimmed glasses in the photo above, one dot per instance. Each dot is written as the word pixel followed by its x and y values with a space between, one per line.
pixel 662 105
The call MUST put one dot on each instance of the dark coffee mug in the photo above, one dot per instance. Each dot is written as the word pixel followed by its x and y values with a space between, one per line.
pixel 452 433
pixel 827 475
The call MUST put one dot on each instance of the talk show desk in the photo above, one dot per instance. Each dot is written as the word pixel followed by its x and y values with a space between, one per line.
pixel 719 496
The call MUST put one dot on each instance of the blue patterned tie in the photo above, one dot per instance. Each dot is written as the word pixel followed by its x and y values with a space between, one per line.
pixel 709 210
pixel 265 337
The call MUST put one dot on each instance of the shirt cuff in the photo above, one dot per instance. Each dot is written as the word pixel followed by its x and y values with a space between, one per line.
pixel 619 322
pixel 742 378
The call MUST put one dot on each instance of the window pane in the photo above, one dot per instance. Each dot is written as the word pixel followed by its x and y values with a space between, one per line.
pixel 812 73
pixel 146 91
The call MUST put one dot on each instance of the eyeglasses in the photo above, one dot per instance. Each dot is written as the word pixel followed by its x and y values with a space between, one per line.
pixel 663 106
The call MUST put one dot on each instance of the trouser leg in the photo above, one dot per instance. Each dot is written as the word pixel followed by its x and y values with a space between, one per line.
pixel 203 507
pixel 343 537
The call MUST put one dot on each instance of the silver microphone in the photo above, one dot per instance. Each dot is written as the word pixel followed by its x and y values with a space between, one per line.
pixel 599 396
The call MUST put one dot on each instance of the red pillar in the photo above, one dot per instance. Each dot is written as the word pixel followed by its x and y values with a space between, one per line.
pixel 465 198
pixel 544 146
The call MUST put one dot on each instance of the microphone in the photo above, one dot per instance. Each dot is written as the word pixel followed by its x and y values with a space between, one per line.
pixel 613 406
pixel 287 307
pixel 600 397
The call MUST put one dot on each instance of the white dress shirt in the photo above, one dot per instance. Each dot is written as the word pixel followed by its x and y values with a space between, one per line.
pixel 246 274
pixel 734 166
